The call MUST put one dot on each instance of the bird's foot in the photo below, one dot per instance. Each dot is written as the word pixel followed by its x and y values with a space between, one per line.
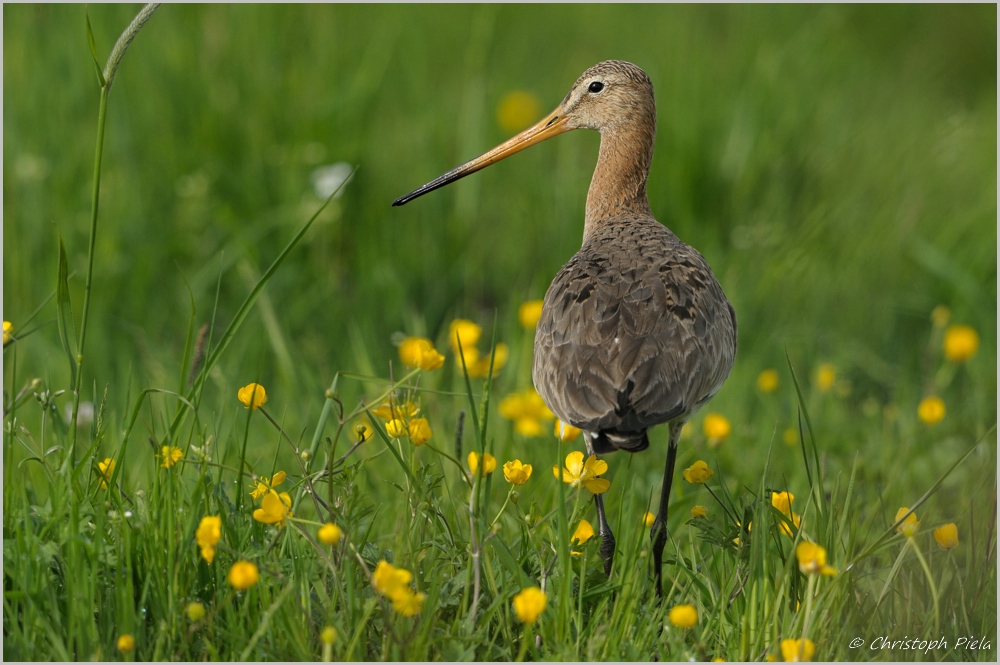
pixel 607 551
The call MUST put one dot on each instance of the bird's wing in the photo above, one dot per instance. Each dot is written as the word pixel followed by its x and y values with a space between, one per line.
pixel 627 342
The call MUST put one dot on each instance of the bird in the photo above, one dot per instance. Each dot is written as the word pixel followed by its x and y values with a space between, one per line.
pixel 635 329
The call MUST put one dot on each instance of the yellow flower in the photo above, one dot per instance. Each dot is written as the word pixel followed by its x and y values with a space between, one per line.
pixel 826 376
pixel 797 651
pixel 419 430
pixel 408 603
pixel 566 433
pixel 107 467
pixel 683 616
pixel 274 508
pixel 940 316
pixel 195 611
pixel 910 525
pixel 648 519
pixel 261 485
pixel 420 352
pixel 529 604
pixel 782 501
pixel 516 473
pixel 489 463
pixel 698 473
pixel 480 367
pixel 947 536
pixel 328 635
pixel 517 110
pixel 791 436
pixel 8 327
pixel 699 511
pixel 768 381
pixel 525 404
pixel 931 410
pixel 388 580
pixel 812 559
pixel 395 428
pixel 170 455
pixel 584 532
pixel 389 411
pixel 329 534
pixel 528 427
pixel 252 395
pixel 960 343
pixel 787 530
pixel 243 575
pixel 577 472
pixel 466 332
pixel 717 428
pixel 126 643
pixel 529 313
pixel 208 535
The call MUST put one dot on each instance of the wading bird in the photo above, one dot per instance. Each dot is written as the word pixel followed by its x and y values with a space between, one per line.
pixel 635 329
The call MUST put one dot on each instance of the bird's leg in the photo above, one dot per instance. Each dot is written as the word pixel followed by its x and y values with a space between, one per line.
pixel 659 532
pixel 607 549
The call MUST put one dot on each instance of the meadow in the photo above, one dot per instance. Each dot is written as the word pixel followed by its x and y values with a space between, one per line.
pixel 836 165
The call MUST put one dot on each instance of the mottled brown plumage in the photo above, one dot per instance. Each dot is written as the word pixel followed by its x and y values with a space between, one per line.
pixel 635 329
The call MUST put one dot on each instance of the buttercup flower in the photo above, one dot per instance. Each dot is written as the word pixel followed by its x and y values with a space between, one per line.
pixel 717 428
pixel 529 313
pixel 517 110
pixel 106 468
pixel 261 486
pixel 253 396
pixel 8 328
pixel 698 473
pixel 408 603
pixel 274 508
pixel 648 519
pixel 768 381
pixel 389 411
pixel 395 428
pixel 480 366
pixel 329 534
pixel 394 583
pixel 812 559
pixel 466 332
pixel 243 575
pixel 577 472
pixel 208 535
pixel 797 651
pixel 419 430
pixel 931 410
pixel 782 501
pixel 489 463
pixel 947 536
pixel 584 532
pixel 529 604
pixel 328 635
pixel 960 343
pixel 516 473
pixel 566 433
pixel 170 456
pixel 527 410
pixel 126 643
pixel 195 611
pixel 699 511
pixel 910 525
pixel 787 530
pixel 826 376
pixel 420 352
pixel 683 616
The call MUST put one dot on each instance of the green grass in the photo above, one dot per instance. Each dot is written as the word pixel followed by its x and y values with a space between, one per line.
pixel 835 165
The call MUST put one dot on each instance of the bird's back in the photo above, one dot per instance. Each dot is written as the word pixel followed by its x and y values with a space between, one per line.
pixel 635 331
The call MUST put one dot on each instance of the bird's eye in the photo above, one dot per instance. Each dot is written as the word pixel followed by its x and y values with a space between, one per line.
pixel 596 86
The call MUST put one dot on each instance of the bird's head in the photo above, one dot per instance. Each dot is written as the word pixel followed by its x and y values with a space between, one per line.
pixel 609 95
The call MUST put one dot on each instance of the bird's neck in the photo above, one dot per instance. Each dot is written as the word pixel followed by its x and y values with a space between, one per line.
pixel 618 188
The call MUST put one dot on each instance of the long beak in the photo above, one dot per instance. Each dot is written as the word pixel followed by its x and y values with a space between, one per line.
pixel 549 126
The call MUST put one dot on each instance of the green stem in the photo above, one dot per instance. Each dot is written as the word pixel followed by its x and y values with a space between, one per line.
pixel 930 580
pixel 503 507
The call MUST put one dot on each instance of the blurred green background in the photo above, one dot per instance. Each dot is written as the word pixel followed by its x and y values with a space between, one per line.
pixel 836 165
